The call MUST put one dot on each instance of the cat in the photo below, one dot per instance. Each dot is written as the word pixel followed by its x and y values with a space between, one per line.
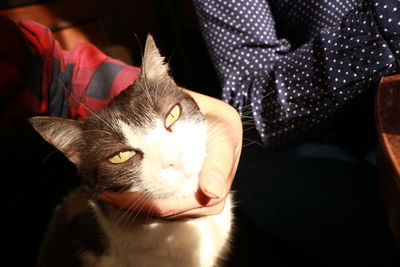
pixel 151 139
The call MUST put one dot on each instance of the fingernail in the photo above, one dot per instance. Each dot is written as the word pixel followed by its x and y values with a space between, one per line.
pixel 214 185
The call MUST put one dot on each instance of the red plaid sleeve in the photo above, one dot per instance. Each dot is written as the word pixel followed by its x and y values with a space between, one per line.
pixel 38 77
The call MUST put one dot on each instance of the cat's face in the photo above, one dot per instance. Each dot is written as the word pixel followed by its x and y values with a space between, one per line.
pixel 150 139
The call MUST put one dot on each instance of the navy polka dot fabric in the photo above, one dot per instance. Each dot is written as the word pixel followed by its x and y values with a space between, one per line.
pixel 292 64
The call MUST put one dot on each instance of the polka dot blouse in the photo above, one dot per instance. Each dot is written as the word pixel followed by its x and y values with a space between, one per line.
pixel 291 65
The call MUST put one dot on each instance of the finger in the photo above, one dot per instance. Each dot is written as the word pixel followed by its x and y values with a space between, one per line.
pixel 198 212
pixel 221 159
pixel 125 200
pixel 157 207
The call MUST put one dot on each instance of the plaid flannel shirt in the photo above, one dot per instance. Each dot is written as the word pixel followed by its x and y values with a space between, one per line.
pixel 38 77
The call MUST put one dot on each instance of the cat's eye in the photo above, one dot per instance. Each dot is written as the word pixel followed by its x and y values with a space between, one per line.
pixel 121 157
pixel 173 116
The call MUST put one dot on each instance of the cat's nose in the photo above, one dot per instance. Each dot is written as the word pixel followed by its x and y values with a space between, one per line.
pixel 168 165
pixel 170 157
pixel 172 162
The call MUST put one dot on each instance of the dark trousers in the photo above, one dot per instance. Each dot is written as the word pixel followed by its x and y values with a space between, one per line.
pixel 318 200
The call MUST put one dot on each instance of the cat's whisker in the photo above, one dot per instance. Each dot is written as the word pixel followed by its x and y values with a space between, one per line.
pixel 140 45
pixel 149 216
pixel 130 203
pixel 247 110
pixel 49 155
pixel 147 93
pixel 244 109
pixel 79 252
pixel 70 94
pixel 247 117
pixel 251 142
pixel 247 122
pixel 250 118
pixel 213 144
pixel 138 208
pixel 132 210
pixel 165 87
pixel 101 131
pixel 128 213
pixel 124 213
pixel 262 98
pixel 243 118
pixel 215 132
pixel 216 126
pixel 249 128
pixel 212 125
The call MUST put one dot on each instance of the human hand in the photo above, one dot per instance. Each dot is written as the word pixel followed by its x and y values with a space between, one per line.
pixel 216 177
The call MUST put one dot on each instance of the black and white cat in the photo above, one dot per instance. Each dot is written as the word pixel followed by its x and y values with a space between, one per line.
pixel 151 139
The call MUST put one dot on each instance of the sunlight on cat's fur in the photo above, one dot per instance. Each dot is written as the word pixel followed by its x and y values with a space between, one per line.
pixel 152 139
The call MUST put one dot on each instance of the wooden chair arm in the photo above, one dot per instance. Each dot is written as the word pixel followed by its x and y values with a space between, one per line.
pixel 387 116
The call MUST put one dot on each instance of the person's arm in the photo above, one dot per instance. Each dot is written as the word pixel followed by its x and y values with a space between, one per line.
pixel 40 78
pixel 289 93
pixel 225 142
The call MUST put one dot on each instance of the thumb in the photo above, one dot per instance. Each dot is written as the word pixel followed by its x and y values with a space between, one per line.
pixel 220 163
pixel 213 184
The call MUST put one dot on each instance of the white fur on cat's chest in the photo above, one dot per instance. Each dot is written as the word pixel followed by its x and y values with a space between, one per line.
pixel 155 242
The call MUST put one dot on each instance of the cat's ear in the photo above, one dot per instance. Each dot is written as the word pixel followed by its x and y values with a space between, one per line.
pixel 64 134
pixel 153 65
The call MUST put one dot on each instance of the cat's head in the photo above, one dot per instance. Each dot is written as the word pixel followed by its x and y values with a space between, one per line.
pixel 151 138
